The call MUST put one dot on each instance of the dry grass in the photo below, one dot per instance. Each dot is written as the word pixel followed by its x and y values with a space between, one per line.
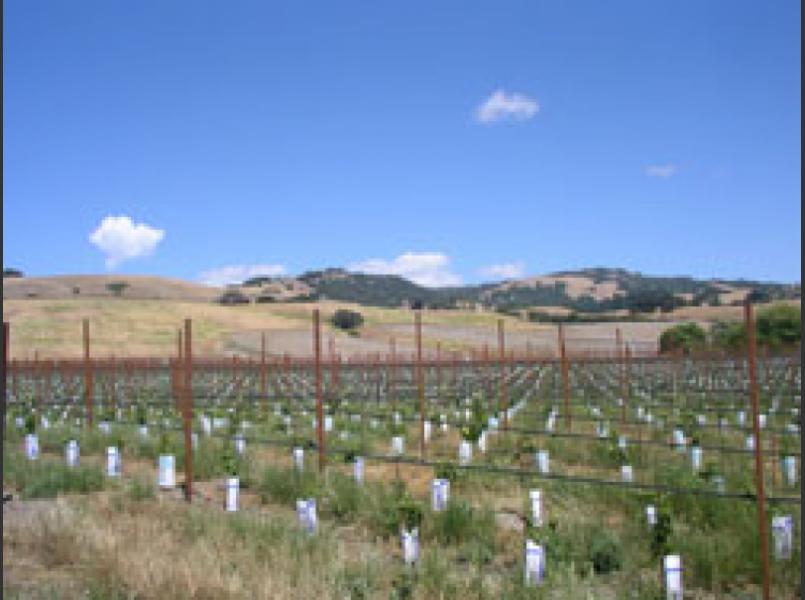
pixel 575 285
pixel 163 549
pixel 108 545
pixel 129 327
pixel 713 313
pixel 140 287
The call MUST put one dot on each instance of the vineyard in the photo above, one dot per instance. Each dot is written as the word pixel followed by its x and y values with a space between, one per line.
pixel 614 473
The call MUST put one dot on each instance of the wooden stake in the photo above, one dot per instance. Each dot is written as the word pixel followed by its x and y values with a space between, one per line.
pixel 420 382
pixel 187 389
pixel 761 494
pixel 319 403
pixel 87 373
pixel 565 375
pixel 504 396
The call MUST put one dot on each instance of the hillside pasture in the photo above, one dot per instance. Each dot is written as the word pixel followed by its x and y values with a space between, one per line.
pixel 129 327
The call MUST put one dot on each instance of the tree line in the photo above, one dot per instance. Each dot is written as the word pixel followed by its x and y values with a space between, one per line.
pixel 778 326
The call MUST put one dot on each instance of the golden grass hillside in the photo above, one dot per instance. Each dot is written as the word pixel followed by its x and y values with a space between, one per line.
pixel 140 287
pixel 51 328
pixel 147 325
pixel 130 327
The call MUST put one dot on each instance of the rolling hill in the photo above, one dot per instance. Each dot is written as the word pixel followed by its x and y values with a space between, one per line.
pixel 140 287
pixel 587 290
pixel 595 290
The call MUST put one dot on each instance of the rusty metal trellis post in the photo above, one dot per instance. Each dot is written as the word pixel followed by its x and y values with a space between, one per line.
pixel 485 372
pixel 177 382
pixel 504 396
pixel 6 332
pixel 286 375
pixel 375 360
pixel 319 403
pixel 454 365
pixel 393 392
pixel 14 379
pixel 332 390
pixel 393 374
pixel 627 353
pixel 187 392
pixel 35 376
pixel 761 495
pixel 565 375
pixel 622 370
pixel 87 373
pixel 420 382
pixel 336 371
pixel 274 377
pixel 263 380
pixel 112 386
pixel 439 369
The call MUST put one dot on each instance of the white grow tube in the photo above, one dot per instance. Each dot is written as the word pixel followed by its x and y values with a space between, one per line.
pixel 440 494
pixel 113 462
pixel 534 563
pixel 672 570
pixel 232 488
pixel 410 545
pixel 167 471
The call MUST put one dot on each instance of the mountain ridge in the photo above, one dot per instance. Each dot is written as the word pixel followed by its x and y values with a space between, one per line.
pixel 592 289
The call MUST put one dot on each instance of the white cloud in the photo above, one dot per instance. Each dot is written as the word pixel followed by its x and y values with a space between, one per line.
pixel 500 106
pixel 503 271
pixel 664 171
pixel 121 239
pixel 233 274
pixel 431 269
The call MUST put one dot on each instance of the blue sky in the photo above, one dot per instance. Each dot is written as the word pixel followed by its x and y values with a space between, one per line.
pixel 448 142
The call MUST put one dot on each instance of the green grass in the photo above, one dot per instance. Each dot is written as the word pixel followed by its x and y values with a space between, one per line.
pixel 285 486
pixel 140 489
pixel 459 522
pixel 596 536
pixel 47 478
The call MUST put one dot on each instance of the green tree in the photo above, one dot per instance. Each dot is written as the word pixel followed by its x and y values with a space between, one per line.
pixel 779 325
pixel 346 319
pixel 776 326
pixel 117 287
pixel 728 336
pixel 650 299
pixel 10 272
pixel 758 295
pixel 687 336
pixel 232 297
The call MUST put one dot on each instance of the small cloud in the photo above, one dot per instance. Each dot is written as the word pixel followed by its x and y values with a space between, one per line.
pixel 121 239
pixel 234 274
pixel 500 106
pixel 663 171
pixel 514 270
pixel 429 269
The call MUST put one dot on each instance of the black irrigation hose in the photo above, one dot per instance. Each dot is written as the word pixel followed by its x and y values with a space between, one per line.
pixel 547 433
pixel 404 374
pixel 587 480
pixel 554 401
pixel 632 441
pixel 582 401
pixel 521 473
pixel 575 435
